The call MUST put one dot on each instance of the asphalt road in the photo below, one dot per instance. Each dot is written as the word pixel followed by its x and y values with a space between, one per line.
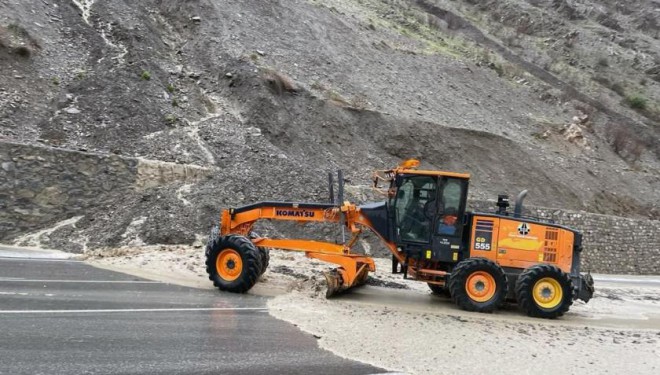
pixel 65 317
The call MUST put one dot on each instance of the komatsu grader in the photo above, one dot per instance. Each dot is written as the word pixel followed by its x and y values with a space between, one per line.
pixel 479 259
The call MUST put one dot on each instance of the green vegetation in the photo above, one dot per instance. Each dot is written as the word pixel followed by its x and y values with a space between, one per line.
pixel 170 119
pixel 56 81
pixel 16 30
pixel 637 102
pixel 175 102
pixel 145 75
pixel 81 75
pixel 170 88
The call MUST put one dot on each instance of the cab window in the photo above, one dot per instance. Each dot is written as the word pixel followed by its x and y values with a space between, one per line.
pixel 415 195
pixel 450 210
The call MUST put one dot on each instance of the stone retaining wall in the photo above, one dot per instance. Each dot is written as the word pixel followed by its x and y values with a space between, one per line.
pixel 42 185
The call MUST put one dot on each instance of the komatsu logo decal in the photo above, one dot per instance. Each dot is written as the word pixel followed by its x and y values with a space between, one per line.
pixel 524 229
pixel 295 213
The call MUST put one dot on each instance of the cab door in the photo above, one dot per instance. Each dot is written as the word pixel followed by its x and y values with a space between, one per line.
pixel 449 219
pixel 414 206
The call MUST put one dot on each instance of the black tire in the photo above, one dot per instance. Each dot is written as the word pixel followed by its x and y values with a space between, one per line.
pixel 458 285
pixel 250 260
pixel 525 291
pixel 215 232
pixel 439 290
pixel 264 253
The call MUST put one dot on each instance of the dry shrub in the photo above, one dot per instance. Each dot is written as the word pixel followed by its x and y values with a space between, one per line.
pixel 18 40
pixel 23 51
pixel 434 23
pixel 585 108
pixel 603 80
pixel 336 98
pixel 209 104
pixel 318 85
pixel 618 88
pixel 278 82
pixel 625 143
pixel 359 101
pixel 609 22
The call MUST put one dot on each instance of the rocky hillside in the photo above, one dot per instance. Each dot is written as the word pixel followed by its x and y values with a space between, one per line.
pixel 559 97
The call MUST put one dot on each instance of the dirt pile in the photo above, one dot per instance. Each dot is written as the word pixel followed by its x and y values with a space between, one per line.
pixel 271 96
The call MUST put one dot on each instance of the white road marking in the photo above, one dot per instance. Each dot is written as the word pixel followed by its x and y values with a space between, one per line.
pixel 133 310
pixel 649 280
pixel 82 281
pixel 23 259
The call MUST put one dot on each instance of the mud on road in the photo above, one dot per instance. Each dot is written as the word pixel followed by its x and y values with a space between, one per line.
pixel 398 324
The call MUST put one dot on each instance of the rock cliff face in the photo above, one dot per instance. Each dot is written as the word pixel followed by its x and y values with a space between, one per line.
pixel 258 100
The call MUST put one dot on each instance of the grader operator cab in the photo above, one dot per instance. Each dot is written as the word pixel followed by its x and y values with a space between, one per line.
pixel 479 259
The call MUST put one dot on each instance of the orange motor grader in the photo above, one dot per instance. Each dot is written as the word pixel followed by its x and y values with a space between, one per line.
pixel 479 259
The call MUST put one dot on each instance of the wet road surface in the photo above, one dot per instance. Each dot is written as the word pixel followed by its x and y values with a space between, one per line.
pixel 60 316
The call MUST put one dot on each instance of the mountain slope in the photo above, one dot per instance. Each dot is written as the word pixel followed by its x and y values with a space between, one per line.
pixel 272 95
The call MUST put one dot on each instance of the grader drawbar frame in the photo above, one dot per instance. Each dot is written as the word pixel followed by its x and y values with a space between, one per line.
pixel 352 269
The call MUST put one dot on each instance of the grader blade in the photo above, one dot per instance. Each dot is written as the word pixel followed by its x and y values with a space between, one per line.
pixel 361 277
pixel 334 283
pixel 337 284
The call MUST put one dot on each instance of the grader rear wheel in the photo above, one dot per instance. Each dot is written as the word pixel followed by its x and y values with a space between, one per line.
pixel 544 291
pixel 233 263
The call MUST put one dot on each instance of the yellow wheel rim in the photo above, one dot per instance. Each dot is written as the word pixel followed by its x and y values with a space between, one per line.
pixel 480 286
pixel 548 293
pixel 229 264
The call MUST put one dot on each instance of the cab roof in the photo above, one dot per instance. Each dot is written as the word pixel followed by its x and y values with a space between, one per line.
pixel 434 173
pixel 410 167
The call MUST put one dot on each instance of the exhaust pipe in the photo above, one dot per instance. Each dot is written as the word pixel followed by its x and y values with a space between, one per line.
pixel 340 197
pixel 519 203
pixel 331 187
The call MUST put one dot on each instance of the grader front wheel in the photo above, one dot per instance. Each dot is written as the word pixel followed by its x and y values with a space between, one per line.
pixel 264 252
pixel 478 284
pixel 439 290
pixel 233 263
